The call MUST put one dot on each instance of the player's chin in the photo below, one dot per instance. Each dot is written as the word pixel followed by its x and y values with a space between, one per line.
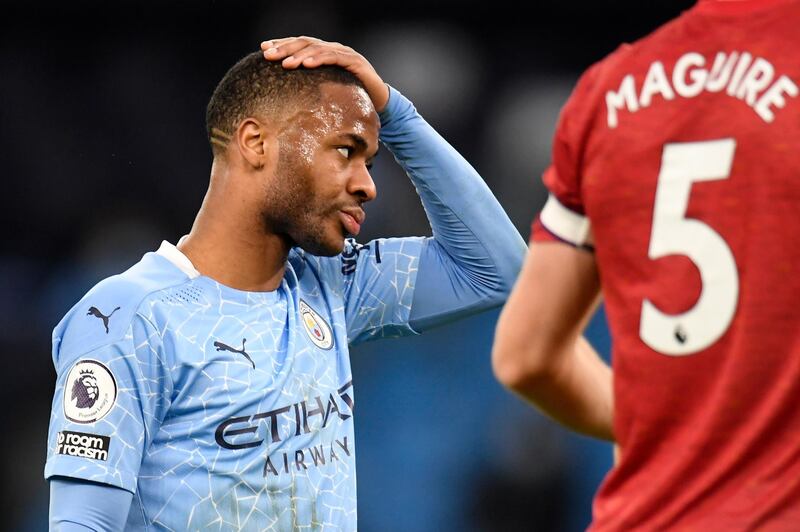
pixel 329 244
pixel 332 250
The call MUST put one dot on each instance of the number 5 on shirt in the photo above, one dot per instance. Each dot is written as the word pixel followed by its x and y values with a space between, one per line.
pixel 683 164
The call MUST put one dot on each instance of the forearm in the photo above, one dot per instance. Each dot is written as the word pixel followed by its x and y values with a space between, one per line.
pixel 539 351
pixel 476 250
pixel 576 391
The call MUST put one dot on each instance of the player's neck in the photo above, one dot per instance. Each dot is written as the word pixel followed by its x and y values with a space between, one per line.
pixel 227 244
pixel 236 262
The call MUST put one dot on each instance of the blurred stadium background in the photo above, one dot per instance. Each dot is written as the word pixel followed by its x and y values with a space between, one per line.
pixel 103 154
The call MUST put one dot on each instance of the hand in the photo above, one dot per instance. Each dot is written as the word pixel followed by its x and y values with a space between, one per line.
pixel 309 52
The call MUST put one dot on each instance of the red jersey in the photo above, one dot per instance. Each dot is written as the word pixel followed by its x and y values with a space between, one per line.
pixel 678 159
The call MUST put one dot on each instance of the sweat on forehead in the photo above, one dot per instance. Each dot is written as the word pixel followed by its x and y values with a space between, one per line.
pixel 257 87
pixel 341 114
pixel 336 106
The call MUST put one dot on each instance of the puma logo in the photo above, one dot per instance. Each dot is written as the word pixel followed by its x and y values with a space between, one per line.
pixel 93 311
pixel 224 347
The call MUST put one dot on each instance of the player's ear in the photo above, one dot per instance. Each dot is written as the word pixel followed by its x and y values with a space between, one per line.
pixel 252 140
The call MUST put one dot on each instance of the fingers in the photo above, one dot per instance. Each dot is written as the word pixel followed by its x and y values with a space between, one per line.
pixel 309 52
pixel 294 52
pixel 275 42
pixel 280 48
pixel 314 56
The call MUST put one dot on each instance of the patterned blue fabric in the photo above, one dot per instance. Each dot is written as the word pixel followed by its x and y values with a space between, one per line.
pixel 221 409
pixel 232 409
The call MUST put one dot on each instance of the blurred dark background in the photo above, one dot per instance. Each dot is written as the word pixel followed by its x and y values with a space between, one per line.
pixel 103 154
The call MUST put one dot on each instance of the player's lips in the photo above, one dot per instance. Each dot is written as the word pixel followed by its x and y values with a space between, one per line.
pixel 352 218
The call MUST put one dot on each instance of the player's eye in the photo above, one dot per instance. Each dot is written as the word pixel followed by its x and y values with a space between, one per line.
pixel 346 151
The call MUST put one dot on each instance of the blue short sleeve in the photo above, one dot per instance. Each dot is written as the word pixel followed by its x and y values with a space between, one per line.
pixel 109 400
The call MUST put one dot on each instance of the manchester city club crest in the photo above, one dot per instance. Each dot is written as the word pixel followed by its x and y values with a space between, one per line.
pixel 316 327
pixel 90 392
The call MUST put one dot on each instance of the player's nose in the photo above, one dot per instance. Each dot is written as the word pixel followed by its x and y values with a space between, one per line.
pixel 362 185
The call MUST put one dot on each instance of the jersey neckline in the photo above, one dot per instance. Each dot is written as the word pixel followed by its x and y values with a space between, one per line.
pixel 176 257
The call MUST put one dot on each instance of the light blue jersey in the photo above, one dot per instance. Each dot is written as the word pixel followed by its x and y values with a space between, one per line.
pixel 223 410
pixel 220 408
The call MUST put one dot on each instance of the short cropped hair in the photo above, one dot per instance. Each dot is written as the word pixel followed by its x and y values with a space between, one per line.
pixel 257 87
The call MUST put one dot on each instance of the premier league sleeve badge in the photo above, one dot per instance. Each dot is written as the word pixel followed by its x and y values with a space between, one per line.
pixel 90 392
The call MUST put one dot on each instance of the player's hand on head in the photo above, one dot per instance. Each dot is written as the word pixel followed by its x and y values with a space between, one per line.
pixel 309 52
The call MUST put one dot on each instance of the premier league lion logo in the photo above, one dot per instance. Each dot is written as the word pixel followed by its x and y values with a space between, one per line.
pixel 90 392
pixel 85 389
